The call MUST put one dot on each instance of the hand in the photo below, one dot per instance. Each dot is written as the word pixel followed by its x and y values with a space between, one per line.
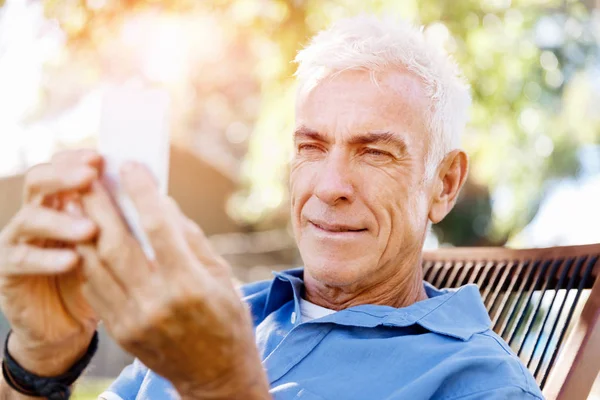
pixel 40 286
pixel 179 314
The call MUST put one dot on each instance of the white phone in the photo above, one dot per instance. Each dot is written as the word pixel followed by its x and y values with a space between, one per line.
pixel 134 126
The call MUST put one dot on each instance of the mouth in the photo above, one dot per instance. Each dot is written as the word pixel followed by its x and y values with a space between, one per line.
pixel 336 228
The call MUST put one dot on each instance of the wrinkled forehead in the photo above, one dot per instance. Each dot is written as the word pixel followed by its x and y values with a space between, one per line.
pixel 361 100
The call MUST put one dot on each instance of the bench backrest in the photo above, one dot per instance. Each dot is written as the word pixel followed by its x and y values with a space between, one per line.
pixel 544 302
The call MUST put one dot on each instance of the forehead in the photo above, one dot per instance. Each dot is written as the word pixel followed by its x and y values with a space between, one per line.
pixel 355 101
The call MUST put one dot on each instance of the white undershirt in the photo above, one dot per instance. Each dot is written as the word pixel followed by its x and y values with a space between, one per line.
pixel 311 311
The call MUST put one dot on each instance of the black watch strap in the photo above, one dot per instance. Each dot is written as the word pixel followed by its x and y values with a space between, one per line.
pixel 52 388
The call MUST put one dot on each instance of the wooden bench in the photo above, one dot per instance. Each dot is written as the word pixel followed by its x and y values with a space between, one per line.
pixel 544 302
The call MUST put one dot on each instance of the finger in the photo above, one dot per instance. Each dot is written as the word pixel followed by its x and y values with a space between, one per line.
pixel 70 284
pixel 33 222
pixel 72 205
pixel 194 235
pixel 24 259
pixel 105 293
pixel 45 179
pixel 68 170
pixel 200 245
pixel 165 236
pixel 79 156
pixel 117 249
pixel 66 161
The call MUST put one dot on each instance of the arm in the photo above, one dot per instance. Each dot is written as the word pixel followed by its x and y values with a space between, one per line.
pixel 51 322
pixel 179 313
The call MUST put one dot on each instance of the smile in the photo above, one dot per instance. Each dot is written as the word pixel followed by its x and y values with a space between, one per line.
pixel 336 228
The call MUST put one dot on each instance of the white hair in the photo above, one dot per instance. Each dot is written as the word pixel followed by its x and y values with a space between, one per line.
pixel 379 45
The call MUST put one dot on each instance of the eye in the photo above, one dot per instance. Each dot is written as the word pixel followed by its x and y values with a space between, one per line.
pixel 377 153
pixel 303 147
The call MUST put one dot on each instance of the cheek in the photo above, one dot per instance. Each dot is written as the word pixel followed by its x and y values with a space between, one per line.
pixel 379 193
pixel 411 214
pixel 302 176
pixel 399 207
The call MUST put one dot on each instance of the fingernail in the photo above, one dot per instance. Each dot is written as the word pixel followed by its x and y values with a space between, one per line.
pixel 65 260
pixel 84 226
pixel 73 208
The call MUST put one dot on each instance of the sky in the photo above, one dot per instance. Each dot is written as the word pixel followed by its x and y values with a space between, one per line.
pixel 570 213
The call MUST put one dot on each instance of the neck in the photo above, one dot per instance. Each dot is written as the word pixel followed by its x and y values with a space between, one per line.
pixel 396 285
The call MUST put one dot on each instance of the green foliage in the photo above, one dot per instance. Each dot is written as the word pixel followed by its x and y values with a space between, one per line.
pixel 90 388
pixel 527 62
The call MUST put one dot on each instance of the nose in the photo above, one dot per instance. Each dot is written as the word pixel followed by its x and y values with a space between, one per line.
pixel 334 180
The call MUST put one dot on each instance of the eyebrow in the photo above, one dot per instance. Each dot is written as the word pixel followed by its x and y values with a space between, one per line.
pixel 307 133
pixel 376 137
pixel 385 137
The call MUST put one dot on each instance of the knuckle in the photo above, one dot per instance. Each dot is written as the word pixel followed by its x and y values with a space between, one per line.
pixel 73 176
pixel 17 257
pixel 124 326
pixel 161 313
pixel 62 173
pixel 21 220
pixel 131 335
pixel 154 224
pixel 132 339
pixel 73 167
pixel 124 334
pixel 193 228
pixel 33 175
pixel 109 247
pixel 155 314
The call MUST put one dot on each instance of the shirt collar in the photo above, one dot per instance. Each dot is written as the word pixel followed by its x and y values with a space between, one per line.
pixel 458 313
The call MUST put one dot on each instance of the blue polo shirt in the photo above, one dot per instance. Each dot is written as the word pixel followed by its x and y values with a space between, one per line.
pixel 439 348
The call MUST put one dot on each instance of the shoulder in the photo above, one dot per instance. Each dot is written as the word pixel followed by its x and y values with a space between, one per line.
pixel 484 365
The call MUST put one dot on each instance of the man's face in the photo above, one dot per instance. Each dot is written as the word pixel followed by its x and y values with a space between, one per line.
pixel 359 197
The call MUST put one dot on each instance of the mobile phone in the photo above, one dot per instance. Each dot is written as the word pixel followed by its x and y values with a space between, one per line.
pixel 134 126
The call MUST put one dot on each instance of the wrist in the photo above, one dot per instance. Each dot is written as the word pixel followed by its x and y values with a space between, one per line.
pixel 45 359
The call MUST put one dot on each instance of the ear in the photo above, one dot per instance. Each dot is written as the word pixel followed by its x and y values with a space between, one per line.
pixel 452 174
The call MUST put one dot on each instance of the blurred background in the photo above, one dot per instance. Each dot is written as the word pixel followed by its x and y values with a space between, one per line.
pixel 534 135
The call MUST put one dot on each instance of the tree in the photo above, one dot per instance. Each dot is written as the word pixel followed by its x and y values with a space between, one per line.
pixel 529 64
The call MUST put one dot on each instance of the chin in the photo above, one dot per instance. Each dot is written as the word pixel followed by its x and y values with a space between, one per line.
pixel 338 271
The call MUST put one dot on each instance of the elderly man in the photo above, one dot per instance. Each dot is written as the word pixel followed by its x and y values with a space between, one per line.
pixel 378 118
